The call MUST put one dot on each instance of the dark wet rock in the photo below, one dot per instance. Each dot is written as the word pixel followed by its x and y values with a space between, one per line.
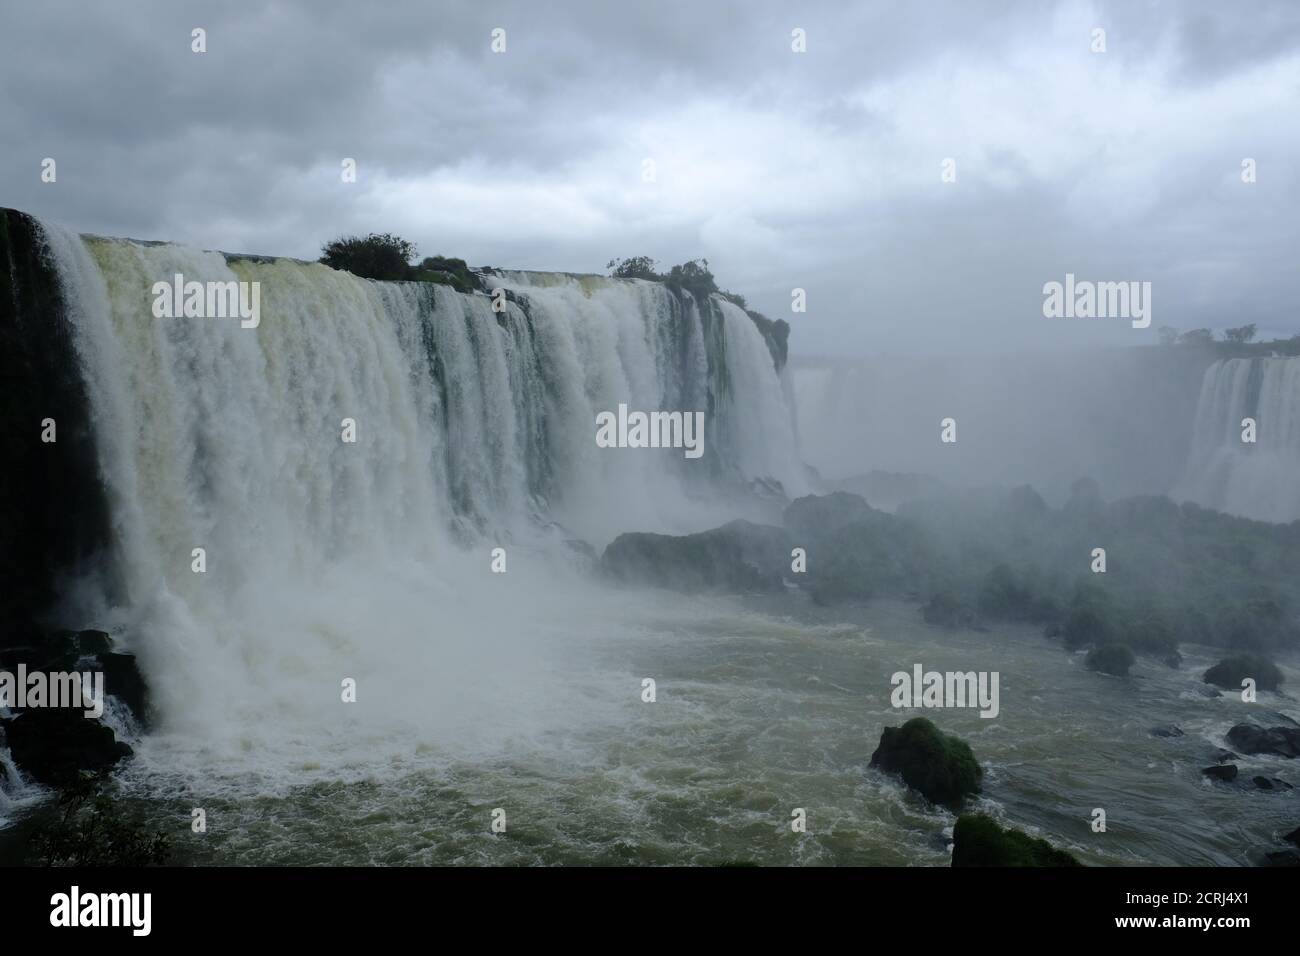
pixel 53 745
pixel 1231 671
pixel 1167 730
pixel 1221 755
pixel 1208 692
pixel 1293 836
pixel 938 765
pixel 1251 739
pixel 946 610
pixel 739 557
pixel 978 840
pixel 817 516
pixel 123 680
pixel 1282 858
pixel 1225 772
pixel 1271 783
pixel 1113 659
pixel 53 511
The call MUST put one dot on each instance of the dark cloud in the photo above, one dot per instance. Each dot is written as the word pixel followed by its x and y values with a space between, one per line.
pixel 817 170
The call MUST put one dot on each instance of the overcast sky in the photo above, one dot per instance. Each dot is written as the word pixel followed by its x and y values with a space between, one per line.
pixel 820 170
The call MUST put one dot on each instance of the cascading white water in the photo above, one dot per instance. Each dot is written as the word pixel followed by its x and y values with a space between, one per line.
pixel 328 560
pixel 1259 479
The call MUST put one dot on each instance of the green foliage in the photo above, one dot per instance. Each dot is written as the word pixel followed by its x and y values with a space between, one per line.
pixel 1113 659
pixel 636 267
pixel 1203 337
pixel 693 276
pixel 376 256
pixel 1240 335
pixel 91 830
pixel 1231 671
pixel 445 271
pixel 978 840
pixel 387 258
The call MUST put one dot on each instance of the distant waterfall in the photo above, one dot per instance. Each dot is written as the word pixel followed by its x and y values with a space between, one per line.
pixel 1258 480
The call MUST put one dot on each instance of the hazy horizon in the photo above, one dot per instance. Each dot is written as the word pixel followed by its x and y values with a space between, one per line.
pixel 818 170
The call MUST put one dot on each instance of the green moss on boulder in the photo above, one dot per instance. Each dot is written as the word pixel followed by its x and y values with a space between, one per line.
pixel 939 766
pixel 978 840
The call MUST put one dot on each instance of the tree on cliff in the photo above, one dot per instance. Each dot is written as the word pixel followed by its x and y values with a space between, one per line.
pixel 376 256
pixel 635 267
pixel 1240 335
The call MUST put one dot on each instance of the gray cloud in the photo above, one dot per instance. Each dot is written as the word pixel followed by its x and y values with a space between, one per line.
pixel 817 170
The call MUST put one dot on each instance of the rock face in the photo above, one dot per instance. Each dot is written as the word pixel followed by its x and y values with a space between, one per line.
pixel 1231 671
pixel 817 516
pixel 1250 739
pixel 737 557
pixel 938 765
pixel 53 745
pixel 979 841
pixel 52 507
pixel 1113 659
pixel 1224 772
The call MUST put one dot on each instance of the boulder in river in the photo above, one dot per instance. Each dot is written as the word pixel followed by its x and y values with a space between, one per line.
pixel 1223 772
pixel 978 840
pixel 1231 671
pixel 938 765
pixel 1252 739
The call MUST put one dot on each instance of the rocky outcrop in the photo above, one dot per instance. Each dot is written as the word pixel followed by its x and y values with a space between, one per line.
pixel 737 557
pixel 52 507
pixel 53 745
pixel 939 766
pixel 53 513
pixel 1231 671
pixel 1113 659
pixel 1251 739
pixel 978 840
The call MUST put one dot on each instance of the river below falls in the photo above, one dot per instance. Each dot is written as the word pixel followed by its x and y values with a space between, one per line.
pixel 763 706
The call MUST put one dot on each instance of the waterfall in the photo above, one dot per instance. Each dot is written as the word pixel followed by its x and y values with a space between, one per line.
pixel 1258 480
pixel 325 559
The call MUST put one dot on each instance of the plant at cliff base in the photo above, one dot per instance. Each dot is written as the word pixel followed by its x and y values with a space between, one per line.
pixel 91 830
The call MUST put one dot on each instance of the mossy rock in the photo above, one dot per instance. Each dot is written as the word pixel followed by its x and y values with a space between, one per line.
pixel 1231 671
pixel 978 840
pixel 1113 659
pixel 939 766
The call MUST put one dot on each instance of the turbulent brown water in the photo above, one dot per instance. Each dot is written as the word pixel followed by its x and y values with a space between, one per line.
pixel 759 711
